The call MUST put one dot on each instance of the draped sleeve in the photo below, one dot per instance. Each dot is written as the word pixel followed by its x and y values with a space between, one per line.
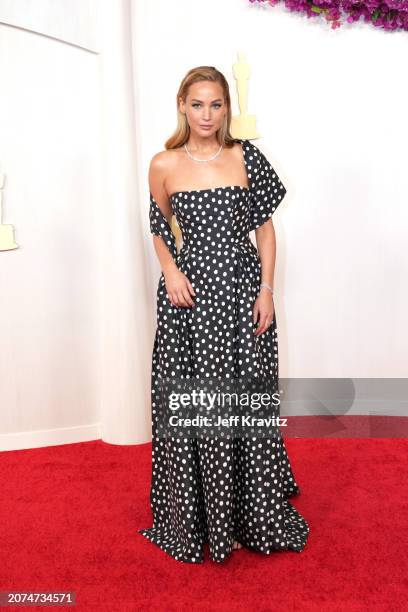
pixel 159 226
pixel 267 190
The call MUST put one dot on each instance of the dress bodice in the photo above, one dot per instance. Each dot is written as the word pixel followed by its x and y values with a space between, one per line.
pixel 213 219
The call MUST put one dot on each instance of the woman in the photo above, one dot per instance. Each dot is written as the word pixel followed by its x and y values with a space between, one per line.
pixel 216 318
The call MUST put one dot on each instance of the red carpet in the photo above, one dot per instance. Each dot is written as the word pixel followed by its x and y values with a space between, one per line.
pixel 69 517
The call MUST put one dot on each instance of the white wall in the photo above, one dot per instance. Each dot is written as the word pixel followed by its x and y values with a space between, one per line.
pixel 73 327
pixel 49 152
pixel 72 21
pixel 80 118
pixel 331 109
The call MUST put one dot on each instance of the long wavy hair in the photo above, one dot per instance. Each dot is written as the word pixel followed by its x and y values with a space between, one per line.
pixel 182 131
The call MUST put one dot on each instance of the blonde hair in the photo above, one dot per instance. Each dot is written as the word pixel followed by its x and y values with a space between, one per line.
pixel 182 131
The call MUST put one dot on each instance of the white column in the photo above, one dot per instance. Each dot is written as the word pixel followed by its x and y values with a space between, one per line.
pixel 126 312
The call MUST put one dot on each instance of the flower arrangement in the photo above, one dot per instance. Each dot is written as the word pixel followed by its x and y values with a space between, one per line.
pixel 386 14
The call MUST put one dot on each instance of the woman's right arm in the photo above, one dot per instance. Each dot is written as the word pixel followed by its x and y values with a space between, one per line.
pixel 178 286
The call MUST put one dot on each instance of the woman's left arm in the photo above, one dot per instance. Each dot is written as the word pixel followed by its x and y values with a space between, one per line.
pixel 264 307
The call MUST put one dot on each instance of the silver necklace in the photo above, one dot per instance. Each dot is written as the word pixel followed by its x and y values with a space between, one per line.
pixel 203 160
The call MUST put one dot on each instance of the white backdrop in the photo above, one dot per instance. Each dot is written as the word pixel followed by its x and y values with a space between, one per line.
pixel 75 324
pixel 85 105
pixel 49 287
pixel 331 109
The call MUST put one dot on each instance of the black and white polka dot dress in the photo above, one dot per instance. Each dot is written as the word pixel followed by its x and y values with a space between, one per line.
pixel 212 489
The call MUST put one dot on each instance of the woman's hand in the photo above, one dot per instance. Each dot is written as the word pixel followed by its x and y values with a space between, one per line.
pixel 178 288
pixel 264 309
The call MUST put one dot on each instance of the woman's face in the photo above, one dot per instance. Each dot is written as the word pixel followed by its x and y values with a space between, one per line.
pixel 204 108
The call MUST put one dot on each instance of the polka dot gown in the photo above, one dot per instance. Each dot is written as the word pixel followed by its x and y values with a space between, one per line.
pixel 219 490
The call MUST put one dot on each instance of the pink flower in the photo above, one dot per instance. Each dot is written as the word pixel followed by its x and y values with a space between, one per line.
pixel 388 14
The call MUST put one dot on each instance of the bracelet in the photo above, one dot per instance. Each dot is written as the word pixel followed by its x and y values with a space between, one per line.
pixel 267 287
